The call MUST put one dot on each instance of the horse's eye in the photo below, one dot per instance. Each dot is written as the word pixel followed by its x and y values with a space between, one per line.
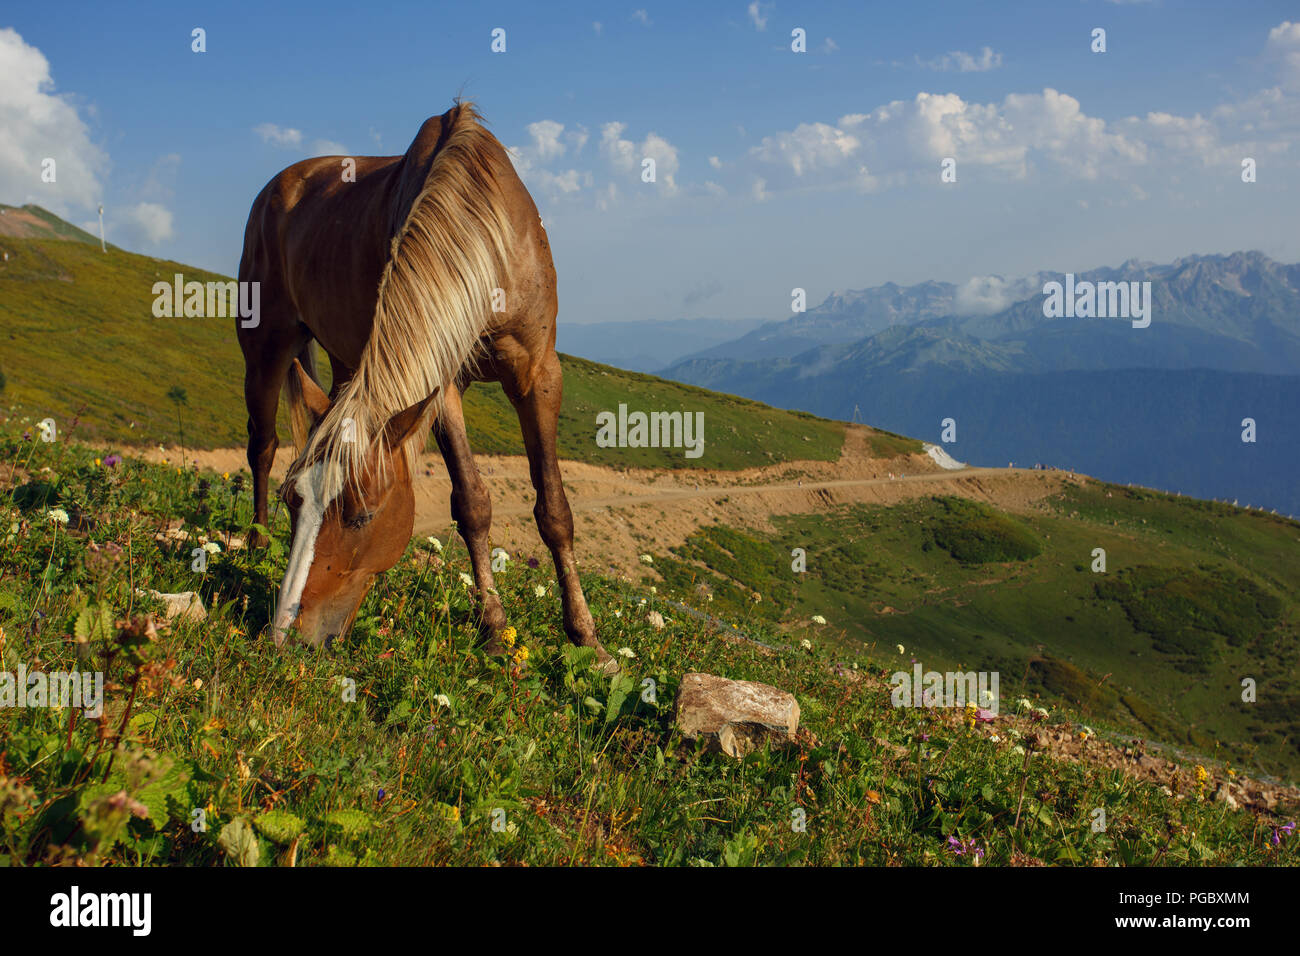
pixel 360 521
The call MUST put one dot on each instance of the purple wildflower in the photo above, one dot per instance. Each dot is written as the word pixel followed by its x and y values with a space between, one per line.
pixel 112 461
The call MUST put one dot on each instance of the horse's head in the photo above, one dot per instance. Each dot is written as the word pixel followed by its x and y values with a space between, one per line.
pixel 340 543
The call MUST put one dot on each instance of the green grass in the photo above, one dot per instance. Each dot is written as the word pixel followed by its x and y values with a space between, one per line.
pixel 1195 598
pixel 83 346
pixel 405 745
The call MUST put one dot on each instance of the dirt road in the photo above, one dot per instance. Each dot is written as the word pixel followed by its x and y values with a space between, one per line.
pixel 622 514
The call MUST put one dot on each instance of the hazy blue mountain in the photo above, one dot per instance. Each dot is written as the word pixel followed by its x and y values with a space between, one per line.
pixel 647 346
pixel 1161 406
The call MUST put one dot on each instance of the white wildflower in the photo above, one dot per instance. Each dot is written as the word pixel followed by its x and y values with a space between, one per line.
pixel 57 515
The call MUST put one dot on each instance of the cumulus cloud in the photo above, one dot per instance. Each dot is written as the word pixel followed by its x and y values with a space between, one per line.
pixel 904 141
pixel 980 62
pixel 329 147
pixel 279 136
pixel 626 156
pixel 40 124
pixel 549 141
pixel 758 14
pixel 984 295
pixel 131 227
pixel 1284 45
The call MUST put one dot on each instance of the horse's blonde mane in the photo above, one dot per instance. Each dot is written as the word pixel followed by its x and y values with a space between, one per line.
pixel 435 299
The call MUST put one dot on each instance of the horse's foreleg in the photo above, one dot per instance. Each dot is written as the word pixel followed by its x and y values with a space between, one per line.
pixel 539 415
pixel 471 509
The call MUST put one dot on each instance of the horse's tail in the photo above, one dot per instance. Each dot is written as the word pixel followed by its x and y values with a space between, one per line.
pixel 299 418
pixel 435 298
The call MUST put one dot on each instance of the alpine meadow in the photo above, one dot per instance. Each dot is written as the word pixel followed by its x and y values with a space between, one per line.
pixel 772 435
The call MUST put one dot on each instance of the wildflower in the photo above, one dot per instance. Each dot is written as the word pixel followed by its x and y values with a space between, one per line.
pixel 1285 830
pixel 626 652
pixel 225 476
pixel 806 644
pixel 656 620
pixel 520 656
pixel 709 597
pixel 381 794
pixel 1024 704
pixel 818 619
pixel 97 462
pixel 646 559
pixel 198 683
pixel 618 613
pixel 112 461
pixel 57 515
pixel 437 545
pixel 1040 713
pixel 212 547
pixel 47 430
pixel 508 635
pixel 466 580
pixel 902 649
pixel 1085 732
pixel 1202 777
pixel 539 591
pixel 653 589
pixel 442 700
pixel 962 847
pixel 533 563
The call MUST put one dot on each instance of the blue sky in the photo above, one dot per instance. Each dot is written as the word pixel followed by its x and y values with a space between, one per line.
pixel 775 169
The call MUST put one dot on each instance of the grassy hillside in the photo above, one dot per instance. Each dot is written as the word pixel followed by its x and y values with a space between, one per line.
pixel 405 745
pixel 78 341
pixel 1195 597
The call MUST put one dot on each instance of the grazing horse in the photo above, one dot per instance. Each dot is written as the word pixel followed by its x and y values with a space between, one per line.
pixel 418 275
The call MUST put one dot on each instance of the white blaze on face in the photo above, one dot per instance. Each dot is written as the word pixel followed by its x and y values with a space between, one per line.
pixel 311 515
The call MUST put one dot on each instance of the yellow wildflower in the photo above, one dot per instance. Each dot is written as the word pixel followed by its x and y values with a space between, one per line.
pixel 508 636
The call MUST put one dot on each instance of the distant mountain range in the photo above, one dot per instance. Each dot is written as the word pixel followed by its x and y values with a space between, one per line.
pixel 1160 406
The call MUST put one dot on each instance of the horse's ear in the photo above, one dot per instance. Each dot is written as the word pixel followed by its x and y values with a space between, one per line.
pixel 308 403
pixel 405 423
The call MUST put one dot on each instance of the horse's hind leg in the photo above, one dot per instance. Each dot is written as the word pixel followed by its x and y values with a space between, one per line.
pixel 539 415
pixel 471 509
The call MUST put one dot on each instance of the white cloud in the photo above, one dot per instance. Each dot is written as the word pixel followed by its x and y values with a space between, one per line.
pixel 328 147
pixel 758 13
pixel 982 62
pixel 145 223
pixel 715 162
pixel 151 220
pixel 807 148
pixel 984 295
pixel 641 16
pixel 904 141
pixel 38 124
pixel 279 136
pixel 626 156
pixel 1284 45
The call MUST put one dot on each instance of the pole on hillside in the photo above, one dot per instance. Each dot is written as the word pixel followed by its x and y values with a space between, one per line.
pixel 103 247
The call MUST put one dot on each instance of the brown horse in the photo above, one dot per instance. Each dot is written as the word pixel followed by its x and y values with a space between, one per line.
pixel 418 275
